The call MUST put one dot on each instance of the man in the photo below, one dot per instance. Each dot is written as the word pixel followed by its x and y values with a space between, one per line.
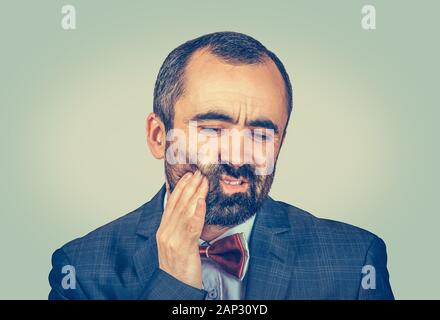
pixel 222 103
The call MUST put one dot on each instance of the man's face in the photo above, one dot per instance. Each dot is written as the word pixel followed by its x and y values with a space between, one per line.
pixel 232 118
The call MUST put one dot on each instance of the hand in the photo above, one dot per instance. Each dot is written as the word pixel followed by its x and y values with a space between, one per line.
pixel 180 229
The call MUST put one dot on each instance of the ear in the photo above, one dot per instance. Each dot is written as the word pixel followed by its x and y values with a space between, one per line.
pixel 156 135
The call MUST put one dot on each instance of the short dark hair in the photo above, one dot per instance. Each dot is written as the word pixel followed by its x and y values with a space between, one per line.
pixel 232 47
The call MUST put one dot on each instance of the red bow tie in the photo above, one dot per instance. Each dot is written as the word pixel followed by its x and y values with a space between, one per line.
pixel 230 253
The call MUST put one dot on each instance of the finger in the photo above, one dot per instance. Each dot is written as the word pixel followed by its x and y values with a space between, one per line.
pixel 189 192
pixel 201 192
pixel 200 209
pixel 178 189
pixel 198 219
pixel 175 217
pixel 175 195
pixel 204 188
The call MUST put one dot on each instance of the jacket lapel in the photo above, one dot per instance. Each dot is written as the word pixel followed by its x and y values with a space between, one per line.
pixel 270 254
pixel 145 258
pixel 271 258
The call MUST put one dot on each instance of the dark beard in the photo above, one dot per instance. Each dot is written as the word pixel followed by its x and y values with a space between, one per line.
pixel 223 209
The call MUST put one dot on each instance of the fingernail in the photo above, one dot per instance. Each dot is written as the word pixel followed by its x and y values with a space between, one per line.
pixel 187 175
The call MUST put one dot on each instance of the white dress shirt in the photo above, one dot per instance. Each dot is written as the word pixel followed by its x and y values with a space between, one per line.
pixel 219 284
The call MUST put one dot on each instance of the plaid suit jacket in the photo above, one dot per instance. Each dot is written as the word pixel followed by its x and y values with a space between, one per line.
pixel 293 255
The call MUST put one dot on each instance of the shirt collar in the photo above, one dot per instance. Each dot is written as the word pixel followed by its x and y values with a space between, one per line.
pixel 245 228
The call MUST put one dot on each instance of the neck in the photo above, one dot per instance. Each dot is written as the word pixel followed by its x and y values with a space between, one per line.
pixel 211 232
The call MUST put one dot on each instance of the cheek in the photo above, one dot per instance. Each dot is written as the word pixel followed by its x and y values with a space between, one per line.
pixel 264 157
pixel 207 150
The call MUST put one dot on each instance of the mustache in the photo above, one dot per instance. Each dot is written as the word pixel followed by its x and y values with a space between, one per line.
pixel 216 170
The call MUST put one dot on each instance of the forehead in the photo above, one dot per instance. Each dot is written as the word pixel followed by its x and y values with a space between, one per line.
pixel 243 90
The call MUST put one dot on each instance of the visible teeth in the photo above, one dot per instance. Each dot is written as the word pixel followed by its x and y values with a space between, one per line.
pixel 235 182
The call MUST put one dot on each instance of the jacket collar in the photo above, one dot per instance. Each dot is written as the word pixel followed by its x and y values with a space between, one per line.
pixel 151 215
pixel 270 254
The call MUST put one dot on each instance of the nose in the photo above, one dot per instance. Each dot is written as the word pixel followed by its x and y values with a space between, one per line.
pixel 236 149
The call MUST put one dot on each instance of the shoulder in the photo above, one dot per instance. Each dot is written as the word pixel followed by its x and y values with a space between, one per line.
pixel 332 256
pixel 93 257
pixel 335 236
pixel 106 255
pixel 117 236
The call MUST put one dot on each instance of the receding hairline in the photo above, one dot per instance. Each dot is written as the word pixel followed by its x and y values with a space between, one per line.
pixel 207 50
pixel 231 48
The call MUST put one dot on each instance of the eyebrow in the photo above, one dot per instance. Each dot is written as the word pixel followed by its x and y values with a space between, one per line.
pixel 219 116
pixel 264 123
pixel 213 115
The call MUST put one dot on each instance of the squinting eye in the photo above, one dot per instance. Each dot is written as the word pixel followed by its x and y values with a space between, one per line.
pixel 211 132
pixel 259 136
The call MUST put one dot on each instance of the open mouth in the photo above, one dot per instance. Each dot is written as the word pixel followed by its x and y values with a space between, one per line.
pixel 232 185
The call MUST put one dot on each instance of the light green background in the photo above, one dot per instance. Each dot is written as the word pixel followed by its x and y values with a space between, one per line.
pixel 362 147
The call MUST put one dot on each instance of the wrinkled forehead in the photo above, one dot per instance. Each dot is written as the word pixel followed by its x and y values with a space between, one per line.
pixel 242 91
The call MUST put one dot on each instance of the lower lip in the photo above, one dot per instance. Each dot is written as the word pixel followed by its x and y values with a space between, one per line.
pixel 232 188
